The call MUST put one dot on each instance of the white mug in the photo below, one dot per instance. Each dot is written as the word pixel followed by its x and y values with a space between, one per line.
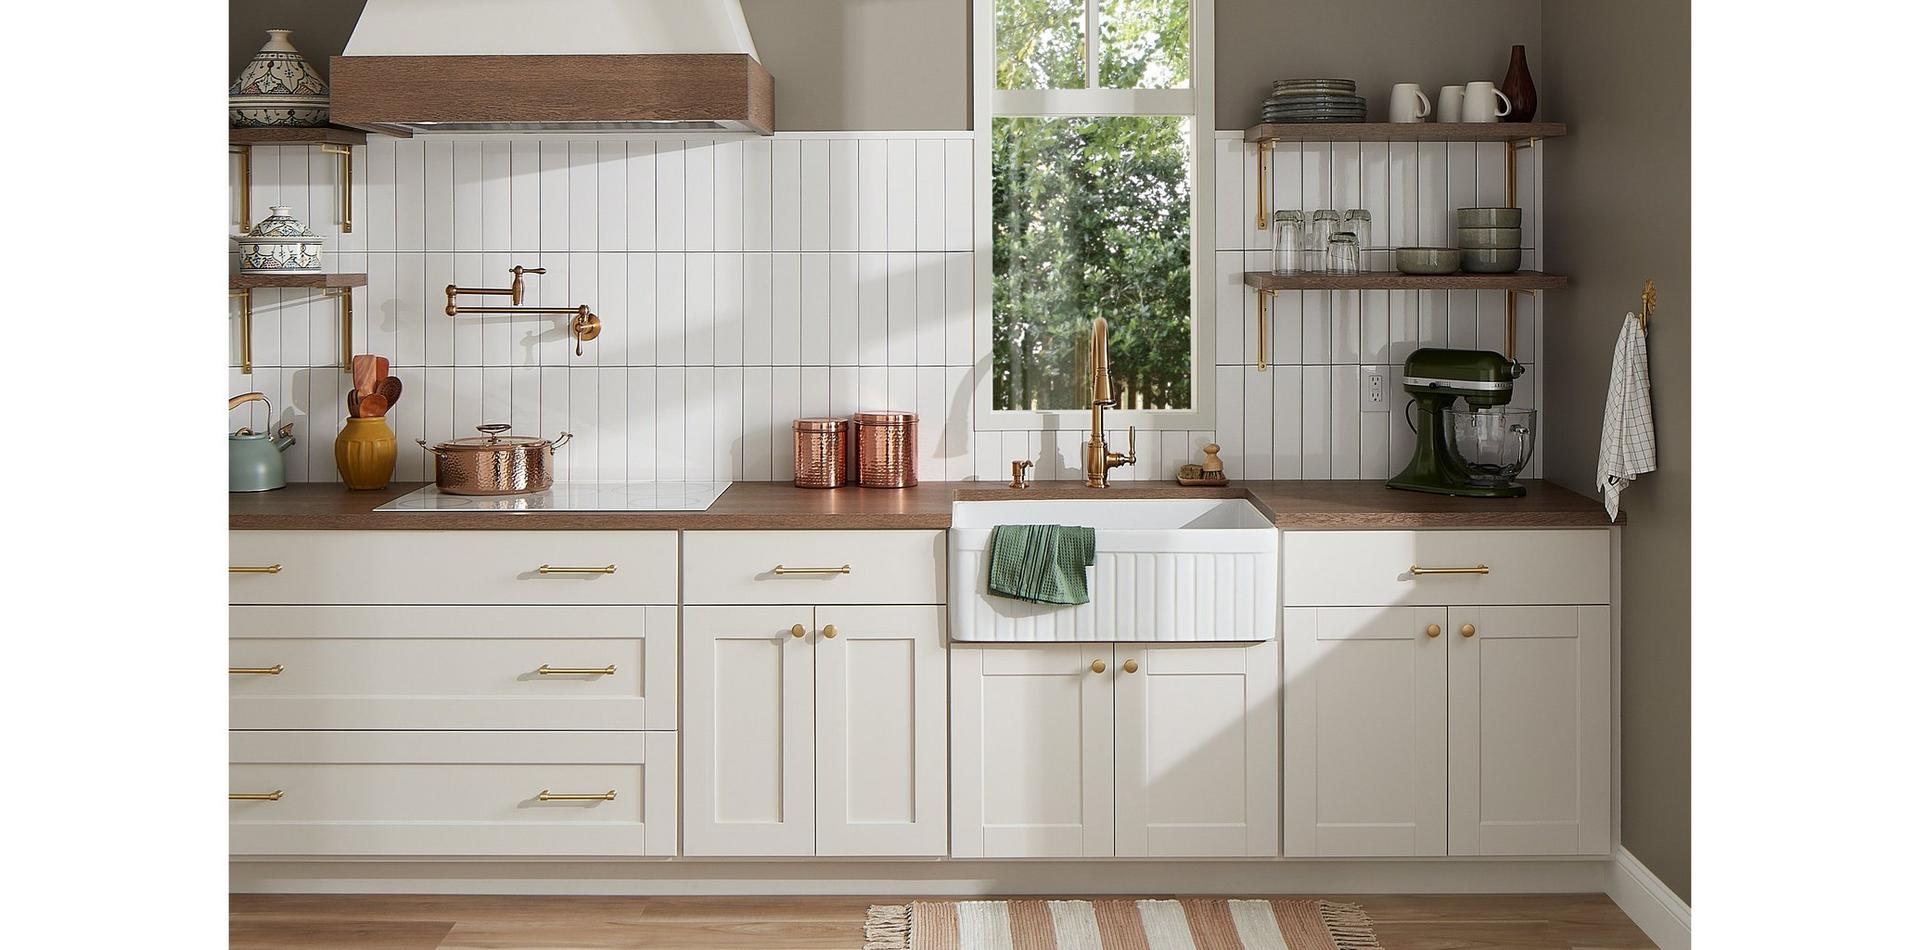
pixel 1408 103
pixel 1478 104
pixel 1447 106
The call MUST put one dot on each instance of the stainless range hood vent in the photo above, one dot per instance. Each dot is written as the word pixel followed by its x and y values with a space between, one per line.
pixel 552 66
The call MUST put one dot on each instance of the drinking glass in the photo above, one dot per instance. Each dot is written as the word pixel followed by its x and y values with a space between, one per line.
pixel 1359 222
pixel 1289 240
pixel 1343 253
pixel 1326 222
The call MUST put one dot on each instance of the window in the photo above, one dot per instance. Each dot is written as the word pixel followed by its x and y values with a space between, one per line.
pixel 1087 128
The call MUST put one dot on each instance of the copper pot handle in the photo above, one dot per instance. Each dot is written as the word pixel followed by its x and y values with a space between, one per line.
pixel 431 450
pixel 564 438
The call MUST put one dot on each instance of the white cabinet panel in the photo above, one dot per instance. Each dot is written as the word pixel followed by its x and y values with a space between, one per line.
pixel 1530 727
pixel 880 708
pixel 1353 568
pixel 1032 751
pixel 882 567
pixel 452 567
pixel 403 667
pixel 1366 731
pixel 748 727
pixel 451 793
pixel 1197 751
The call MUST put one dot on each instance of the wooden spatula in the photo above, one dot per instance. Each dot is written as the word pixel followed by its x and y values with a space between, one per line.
pixel 368 370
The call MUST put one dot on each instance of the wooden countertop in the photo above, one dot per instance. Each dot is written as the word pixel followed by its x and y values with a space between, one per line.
pixel 778 505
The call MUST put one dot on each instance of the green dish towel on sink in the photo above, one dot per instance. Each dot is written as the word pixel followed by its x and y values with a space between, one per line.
pixel 1040 563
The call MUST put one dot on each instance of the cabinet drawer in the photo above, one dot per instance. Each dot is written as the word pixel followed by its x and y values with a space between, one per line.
pixel 451 567
pixel 881 567
pixel 356 667
pixel 452 793
pixel 1365 568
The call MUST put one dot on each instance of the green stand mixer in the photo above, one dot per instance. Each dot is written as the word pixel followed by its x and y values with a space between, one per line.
pixel 1474 451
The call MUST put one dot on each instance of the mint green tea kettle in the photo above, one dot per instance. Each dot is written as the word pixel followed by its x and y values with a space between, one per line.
pixel 254 462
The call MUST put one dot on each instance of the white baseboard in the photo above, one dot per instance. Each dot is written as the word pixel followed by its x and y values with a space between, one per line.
pixel 1653 907
pixel 919 878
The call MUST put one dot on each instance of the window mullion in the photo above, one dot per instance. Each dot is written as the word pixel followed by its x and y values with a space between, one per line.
pixel 1093 44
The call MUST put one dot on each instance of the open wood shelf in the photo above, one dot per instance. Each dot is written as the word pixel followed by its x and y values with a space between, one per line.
pixel 320 281
pixel 1518 280
pixel 1405 131
pixel 297 135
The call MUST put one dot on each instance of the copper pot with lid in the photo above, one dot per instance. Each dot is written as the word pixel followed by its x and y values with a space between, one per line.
pixel 494 463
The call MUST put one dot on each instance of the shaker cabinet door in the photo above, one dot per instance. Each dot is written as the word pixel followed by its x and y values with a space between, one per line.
pixel 1366 731
pixel 1531 730
pixel 880 717
pixel 1197 750
pixel 1033 751
pixel 748 731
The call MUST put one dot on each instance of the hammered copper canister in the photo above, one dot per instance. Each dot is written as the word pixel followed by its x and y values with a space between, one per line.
pixel 887 449
pixel 820 451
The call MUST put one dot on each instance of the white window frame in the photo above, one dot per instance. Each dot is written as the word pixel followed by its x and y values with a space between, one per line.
pixel 1195 101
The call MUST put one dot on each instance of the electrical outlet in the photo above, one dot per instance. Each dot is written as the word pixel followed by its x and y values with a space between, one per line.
pixel 1373 397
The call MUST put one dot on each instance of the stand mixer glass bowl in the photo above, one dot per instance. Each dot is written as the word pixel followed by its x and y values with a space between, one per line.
pixel 1493 443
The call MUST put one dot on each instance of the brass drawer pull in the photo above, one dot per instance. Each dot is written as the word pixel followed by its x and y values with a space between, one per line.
pixel 550 569
pixel 547 796
pixel 274 670
pixel 546 670
pixel 272 796
pixel 267 569
pixel 842 569
pixel 1417 570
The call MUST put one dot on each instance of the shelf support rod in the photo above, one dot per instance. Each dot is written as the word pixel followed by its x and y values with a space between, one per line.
pixel 344 184
pixel 346 326
pixel 1260 213
pixel 1260 334
pixel 246 329
pixel 246 183
pixel 1513 201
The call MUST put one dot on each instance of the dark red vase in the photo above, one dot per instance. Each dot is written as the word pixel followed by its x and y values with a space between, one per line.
pixel 1519 88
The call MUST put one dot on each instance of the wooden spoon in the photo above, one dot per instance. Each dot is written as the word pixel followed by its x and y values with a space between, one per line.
pixel 373 406
pixel 390 388
pixel 367 373
pixel 353 403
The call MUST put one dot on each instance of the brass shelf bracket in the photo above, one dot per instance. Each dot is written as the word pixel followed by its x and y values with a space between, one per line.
pixel 1260 212
pixel 246 183
pixel 584 326
pixel 1513 201
pixel 1260 333
pixel 344 184
pixel 346 326
pixel 246 329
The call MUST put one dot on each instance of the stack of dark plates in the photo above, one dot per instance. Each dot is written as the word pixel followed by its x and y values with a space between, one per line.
pixel 1314 100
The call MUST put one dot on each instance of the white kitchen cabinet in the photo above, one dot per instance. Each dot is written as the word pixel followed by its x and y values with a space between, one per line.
pixel 1529 729
pixel 1197 750
pixel 1446 726
pixel 1064 752
pixel 832 742
pixel 1366 731
pixel 1033 751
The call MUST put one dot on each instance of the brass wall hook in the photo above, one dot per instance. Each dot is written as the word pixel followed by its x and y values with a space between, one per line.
pixel 1649 299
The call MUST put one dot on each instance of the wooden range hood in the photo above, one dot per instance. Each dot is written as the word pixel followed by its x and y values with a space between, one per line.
pixel 551 65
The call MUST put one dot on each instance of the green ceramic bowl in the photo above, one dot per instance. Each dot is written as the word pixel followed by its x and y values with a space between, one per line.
pixel 1487 218
pixel 1426 260
pixel 1488 237
pixel 1490 260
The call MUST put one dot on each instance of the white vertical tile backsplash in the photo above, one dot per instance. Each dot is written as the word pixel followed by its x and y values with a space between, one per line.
pixel 745 283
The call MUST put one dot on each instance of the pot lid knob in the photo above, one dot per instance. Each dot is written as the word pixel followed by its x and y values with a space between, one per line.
pixel 494 429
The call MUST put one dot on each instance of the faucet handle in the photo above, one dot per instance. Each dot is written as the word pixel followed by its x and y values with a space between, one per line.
pixel 1131 457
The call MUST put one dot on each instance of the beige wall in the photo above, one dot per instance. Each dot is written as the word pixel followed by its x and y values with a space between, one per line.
pixel 1376 42
pixel 1618 191
pixel 838 65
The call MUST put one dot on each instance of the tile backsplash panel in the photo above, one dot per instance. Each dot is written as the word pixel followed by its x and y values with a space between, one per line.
pixel 744 283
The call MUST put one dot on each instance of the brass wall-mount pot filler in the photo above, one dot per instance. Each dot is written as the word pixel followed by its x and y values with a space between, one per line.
pixel 584 326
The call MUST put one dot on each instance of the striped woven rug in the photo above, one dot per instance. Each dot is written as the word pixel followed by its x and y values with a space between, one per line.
pixel 1200 924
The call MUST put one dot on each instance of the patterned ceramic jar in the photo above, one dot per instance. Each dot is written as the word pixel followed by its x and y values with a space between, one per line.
pixel 277 87
pixel 279 244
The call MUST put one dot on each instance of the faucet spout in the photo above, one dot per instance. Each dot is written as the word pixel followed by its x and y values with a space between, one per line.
pixel 1098 460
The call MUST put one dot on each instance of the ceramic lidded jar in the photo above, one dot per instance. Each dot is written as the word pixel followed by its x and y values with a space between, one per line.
pixel 278 87
pixel 279 244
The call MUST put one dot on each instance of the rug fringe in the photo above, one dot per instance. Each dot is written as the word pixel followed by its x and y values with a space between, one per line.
pixel 888 926
pixel 1349 926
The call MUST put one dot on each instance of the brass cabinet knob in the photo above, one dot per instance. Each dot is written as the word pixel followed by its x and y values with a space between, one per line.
pixel 798 631
pixel 829 632
pixel 1433 630
pixel 1099 666
pixel 1466 629
pixel 1130 666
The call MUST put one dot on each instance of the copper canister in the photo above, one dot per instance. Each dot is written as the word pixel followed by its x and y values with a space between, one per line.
pixel 820 450
pixel 888 449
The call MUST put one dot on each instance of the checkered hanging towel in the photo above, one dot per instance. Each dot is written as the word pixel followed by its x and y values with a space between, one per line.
pixel 1626 430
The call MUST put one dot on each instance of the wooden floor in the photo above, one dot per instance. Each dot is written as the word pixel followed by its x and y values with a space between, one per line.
pixel 261 922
